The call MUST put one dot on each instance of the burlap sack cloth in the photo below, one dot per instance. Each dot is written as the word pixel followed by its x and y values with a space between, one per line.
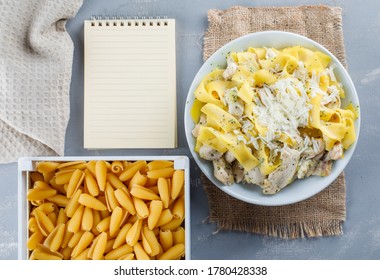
pixel 36 55
pixel 322 214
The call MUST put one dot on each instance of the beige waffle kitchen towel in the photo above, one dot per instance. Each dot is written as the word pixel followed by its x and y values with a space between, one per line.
pixel 35 67
pixel 322 214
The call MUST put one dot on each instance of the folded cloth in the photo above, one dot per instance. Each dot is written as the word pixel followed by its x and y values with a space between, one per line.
pixel 35 68
pixel 322 214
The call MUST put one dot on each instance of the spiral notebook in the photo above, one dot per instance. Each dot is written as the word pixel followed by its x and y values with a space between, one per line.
pixel 129 84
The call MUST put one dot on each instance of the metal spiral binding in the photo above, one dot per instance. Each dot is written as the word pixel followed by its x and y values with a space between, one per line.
pixel 107 21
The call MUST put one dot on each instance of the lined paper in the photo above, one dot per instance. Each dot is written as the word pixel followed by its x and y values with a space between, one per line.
pixel 129 84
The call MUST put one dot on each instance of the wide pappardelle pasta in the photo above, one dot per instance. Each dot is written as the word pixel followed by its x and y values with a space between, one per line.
pixel 272 116
pixel 112 210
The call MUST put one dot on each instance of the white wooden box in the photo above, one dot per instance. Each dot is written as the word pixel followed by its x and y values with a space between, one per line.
pixel 28 164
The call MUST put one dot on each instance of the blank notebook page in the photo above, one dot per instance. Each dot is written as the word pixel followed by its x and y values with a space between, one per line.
pixel 129 84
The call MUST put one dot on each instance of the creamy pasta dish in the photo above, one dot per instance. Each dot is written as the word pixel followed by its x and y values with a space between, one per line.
pixel 272 116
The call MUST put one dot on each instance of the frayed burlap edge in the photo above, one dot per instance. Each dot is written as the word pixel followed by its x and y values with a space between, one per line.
pixel 286 230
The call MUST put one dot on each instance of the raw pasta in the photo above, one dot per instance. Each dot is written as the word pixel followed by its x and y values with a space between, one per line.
pixel 98 210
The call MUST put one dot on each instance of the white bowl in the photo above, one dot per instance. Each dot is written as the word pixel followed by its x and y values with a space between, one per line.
pixel 300 189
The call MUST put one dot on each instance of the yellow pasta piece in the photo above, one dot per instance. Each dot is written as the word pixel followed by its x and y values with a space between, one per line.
pixel 242 75
pixel 165 217
pixel 66 253
pixel 82 256
pixel 58 199
pixel 98 247
pixel 45 225
pixel 75 181
pixel 62 217
pixel 110 197
pixel 125 201
pixel 154 189
pixel 205 96
pixel 32 224
pixel 48 176
pixel 127 257
pixel 104 224
pixel 140 252
pixel 247 59
pixel 87 219
pixel 91 184
pixel 155 209
pixel 109 245
pixel 151 239
pixel 161 251
pixel 174 252
pixel 260 52
pixel 177 183
pixel 43 253
pixel 117 167
pixel 63 177
pixel 114 181
pixel 246 93
pixel 47 208
pixel 143 193
pixel 137 179
pixel 119 252
pixel 332 130
pixel 158 164
pixel 97 218
pixel 179 235
pixel 179 208
pixel 66 238
pixel 350 136
pixel 241 152
pixel 265 166
pixel 131 170
pixel 57 237
pixel 83 243
pixel 173 224
pixel 223 119
pixel 91 167
pixel 163 190
pixel 142 209
pixel 40 193
pixel 73 203
pixel 74 224
pixel 75 238
pixel 218 88
pixel 166 239
pixel 53 217
pixel 47 166
pixel 79 164
pixel 145 244
pixel 134 233
pixel 195 111
pixel 54 185
pixel 92 202
pixel 213 138
pixel 41 184
pixel 121 236
pixel 101 174
pixel 116 218
pixel 35 239
pixel 166 172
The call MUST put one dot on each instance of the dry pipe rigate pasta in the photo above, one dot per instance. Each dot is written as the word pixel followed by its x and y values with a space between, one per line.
pixel 106 209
